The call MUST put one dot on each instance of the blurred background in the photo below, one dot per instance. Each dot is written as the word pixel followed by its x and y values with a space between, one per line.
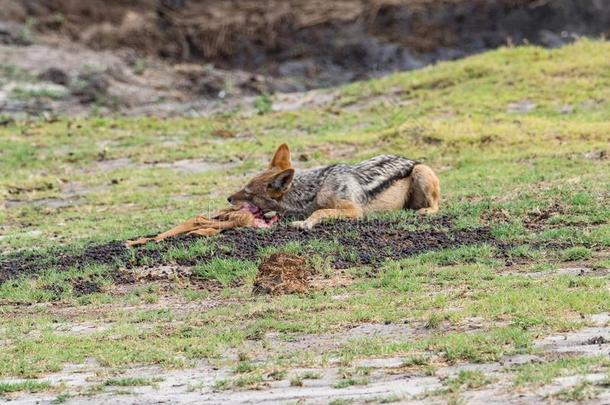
pixel 187 57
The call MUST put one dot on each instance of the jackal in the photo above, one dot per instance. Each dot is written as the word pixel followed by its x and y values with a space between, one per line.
pixel 382 183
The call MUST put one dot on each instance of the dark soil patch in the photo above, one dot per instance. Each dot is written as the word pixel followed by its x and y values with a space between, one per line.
pixel 539 220
pixel 535 220
pixel 283 273
pixel 367 242
pixel 83 286
pixel 55 290
pixel 597 340
pixel 55 75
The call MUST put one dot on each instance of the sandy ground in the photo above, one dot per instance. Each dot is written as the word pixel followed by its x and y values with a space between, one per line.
pixel 71 80
pixel 387 378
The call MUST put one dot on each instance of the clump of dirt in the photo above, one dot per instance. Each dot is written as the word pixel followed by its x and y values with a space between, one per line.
pixel 283 273
pixel 91 87
pixel 496 215
pixel 124 276
pixel 535 219
pixel 55 75
pixel 83 286
pixel 596 340
pixel 538 219
pixel 55 290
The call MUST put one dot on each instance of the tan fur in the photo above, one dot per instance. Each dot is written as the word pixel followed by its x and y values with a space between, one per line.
pixel 281 159
pixel 425 190
pixel 394 198
pixel 341 209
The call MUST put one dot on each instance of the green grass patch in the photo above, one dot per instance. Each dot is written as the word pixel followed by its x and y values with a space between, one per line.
pixel 24 386
pixel 577 253
pixel 538 374
pixel 348 382
pixel 27 93
pixel 582 391
pixel 132 382
pixel 467 379
pixel 244 367
pixel 225 271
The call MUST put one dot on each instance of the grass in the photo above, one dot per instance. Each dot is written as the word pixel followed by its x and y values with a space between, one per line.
pixel 543 373
pixel 61 398
pixel 341 401
pixel 12 72
pixel 132 382
pixel 476 123
pixel 535 180
pixel 467 379
pixel 248 381
pixel 582 391
pixel 490 345
pixel 28 93
pixel 577 253
pixel 23 386
pixel 263 104
pixel 358 376
pixel 244 367
pixel 225 270
pixel 348 382
pixel 297 380
pixel 415 361
pixel 310 375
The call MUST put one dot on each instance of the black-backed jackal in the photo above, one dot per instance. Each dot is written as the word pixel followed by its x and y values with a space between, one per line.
pixel 382 183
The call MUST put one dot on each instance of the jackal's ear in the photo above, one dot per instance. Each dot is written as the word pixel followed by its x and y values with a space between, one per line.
pixel 281 159
pixel 281 182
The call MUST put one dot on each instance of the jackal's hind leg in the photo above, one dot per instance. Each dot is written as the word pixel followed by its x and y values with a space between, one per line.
pixel 425 190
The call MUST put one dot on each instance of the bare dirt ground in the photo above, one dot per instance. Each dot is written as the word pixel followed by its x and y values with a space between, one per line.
pixel 387 378
pixel 72 80
pixel 168 58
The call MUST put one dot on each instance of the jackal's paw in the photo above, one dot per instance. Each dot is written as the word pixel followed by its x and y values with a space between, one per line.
pixel 427 211
pixel 301 224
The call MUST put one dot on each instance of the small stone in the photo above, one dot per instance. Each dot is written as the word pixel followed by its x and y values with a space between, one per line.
pixel 521 107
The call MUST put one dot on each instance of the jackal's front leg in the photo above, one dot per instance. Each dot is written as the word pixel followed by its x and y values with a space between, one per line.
pixel 342 209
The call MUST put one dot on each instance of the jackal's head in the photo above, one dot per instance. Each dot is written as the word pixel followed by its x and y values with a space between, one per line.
pixel 265 191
